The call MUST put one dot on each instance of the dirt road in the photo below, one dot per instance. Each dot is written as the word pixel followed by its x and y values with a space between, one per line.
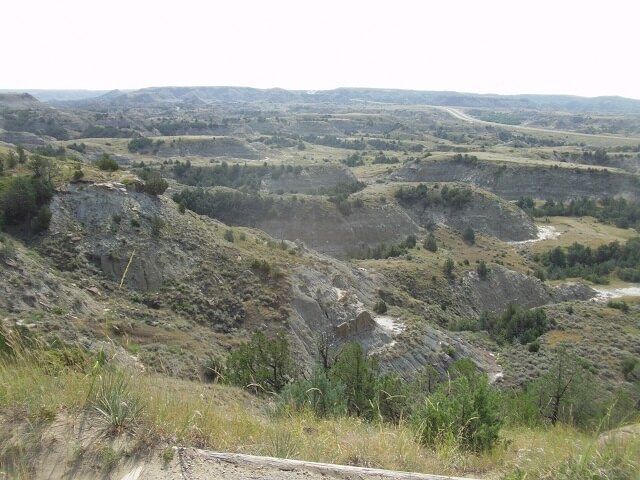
pixel 460 115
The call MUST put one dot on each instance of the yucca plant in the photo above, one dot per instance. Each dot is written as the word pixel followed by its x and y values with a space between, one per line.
pixel 111 396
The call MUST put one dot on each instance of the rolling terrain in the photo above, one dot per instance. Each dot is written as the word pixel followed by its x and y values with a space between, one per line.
pixel 162 228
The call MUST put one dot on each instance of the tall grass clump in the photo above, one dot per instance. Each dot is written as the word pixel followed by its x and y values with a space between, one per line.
pixel 113 398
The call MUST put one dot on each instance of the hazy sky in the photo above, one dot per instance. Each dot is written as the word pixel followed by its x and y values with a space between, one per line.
pixel 487 46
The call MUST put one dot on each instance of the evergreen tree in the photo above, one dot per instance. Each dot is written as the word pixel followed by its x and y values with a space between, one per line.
pixel 358 374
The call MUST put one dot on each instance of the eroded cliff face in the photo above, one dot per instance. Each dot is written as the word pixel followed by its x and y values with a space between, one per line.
pixel 109 226
pixel 487 213
pixel 503 287
pixel 324 228
pixel 336 299
pixel 514 181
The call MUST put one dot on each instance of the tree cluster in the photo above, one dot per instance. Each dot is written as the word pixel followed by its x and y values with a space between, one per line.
pixel 616 211
pixel 24 199
pixel 455 198
pixel 517 324
pixel 383 251
pixel 594 264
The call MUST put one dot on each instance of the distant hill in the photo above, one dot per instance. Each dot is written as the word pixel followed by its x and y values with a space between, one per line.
pixel 193 96
pixel 59 95
pixel 17 101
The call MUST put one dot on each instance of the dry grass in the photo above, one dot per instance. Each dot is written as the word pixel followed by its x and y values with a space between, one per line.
pixel 224 418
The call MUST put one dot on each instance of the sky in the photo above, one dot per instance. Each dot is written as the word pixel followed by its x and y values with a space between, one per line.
pixel 586 48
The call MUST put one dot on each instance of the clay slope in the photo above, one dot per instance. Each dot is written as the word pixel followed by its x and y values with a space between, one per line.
pixel 486 213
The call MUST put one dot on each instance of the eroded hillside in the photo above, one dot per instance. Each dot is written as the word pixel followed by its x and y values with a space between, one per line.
pixel 169 236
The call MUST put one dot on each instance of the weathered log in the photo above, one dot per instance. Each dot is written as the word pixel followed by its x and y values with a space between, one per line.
pixel 345 471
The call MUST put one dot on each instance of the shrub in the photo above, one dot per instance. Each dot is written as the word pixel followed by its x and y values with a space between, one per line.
pixel 107 163
pixel 157 224
pixel 469 236
pixel 261 266
pixel 212 369
pixel 391 400
pixel 12 160
pixel 7 249
pixel 448 267
pixel 618 305
pixel 228 236
pixel 325 397
pixel 22 197
pixel 517 323
pixel 358 374
pixel 77 175
pixel 568 392
pixel 155 184
pixel 380 307
pixel 17 199
pixel 631 368
pixel 482 270
pixel 140 144
pixel 461 324
pixel 430 243
pixel 182 208
pixel 410 241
